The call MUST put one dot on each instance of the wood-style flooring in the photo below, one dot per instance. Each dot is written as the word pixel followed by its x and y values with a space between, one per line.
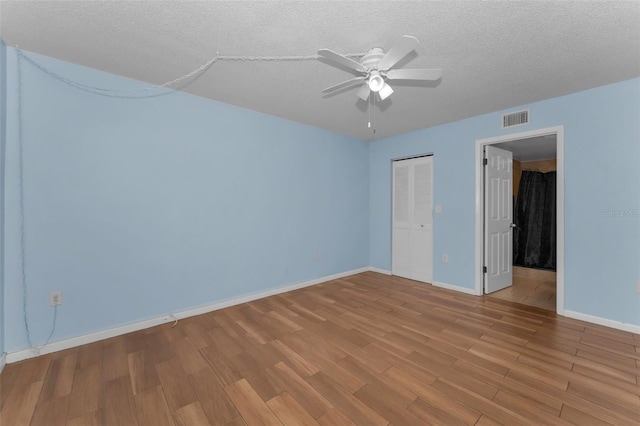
pixel 366 350
pixel 533 287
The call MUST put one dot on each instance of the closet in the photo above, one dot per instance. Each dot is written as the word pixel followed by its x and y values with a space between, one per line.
pixel 412 218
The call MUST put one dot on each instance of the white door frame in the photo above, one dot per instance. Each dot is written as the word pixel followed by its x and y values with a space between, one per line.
pixel 480 143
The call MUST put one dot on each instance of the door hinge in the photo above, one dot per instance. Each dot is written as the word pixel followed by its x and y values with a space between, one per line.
pixel 485 161
pixel 484 269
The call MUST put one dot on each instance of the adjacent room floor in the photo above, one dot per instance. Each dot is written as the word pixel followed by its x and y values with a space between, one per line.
pixel 367 349
pixel 533 287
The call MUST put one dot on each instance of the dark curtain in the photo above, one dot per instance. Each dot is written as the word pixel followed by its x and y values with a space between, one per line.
pixel 534 237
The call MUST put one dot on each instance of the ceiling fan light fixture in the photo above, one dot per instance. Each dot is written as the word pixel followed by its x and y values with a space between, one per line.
pixel 375 81
pixel 385 92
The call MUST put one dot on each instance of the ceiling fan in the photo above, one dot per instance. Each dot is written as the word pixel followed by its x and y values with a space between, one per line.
pixel 375 68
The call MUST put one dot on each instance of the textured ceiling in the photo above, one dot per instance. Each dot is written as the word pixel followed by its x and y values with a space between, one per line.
pixel 494 55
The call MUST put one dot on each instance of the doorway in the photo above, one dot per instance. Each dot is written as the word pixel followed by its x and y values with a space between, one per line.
pixel 527 143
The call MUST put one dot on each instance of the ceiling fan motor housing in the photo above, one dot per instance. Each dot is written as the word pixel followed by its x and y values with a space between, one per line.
pixel 372 58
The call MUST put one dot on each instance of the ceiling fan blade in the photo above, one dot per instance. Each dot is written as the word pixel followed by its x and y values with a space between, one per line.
pixel 399 50
pixel 342 60
pixel 343 84
pixel 363 92
pixel 414 74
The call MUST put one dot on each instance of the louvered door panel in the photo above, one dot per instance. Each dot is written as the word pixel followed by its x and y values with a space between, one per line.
pixel 401 258
pixel 412 240
pixel 422 226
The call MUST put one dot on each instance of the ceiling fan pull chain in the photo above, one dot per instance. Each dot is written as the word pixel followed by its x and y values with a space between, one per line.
pixel 369 112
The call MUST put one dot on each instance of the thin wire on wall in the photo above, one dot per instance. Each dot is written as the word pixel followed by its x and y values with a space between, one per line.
pixel 143 93
pixel 23 258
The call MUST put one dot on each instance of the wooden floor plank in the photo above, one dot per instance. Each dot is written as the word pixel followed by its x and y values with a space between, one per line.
pixel 289 411
pixel 335 417
pixel 527 407
pixel 86 397
pixel 191 415
pixel 352 407
pixel 622 403
pixel 295 360
pixel 343 376
pixel 152 408
pixel 503 415
pixel 52 412
pixel 89 419
pixel 376 398
pixel 508 384
pixel 365 349
pixel 436 415
pixel 21 404
pixel 8 378
pixel 177 390
pixel 307 396
pixel 142 372
pixel 59 379
pixel 213 400
pixel 487 421
pixel 577 417
pixel 114 356
pixel 251 407
pixel 119 404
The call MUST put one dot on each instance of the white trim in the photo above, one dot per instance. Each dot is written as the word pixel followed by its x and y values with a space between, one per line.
pixel 3 361
pixel 560 219
pixel 466 290
pixel 152 322
pixel 603 321
pixel 380 271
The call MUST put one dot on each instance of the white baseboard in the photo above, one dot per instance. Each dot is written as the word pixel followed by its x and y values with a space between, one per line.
pixel 466 290
pixel 152 322
pixel 603 321
pixel 378 270
pixel 3 362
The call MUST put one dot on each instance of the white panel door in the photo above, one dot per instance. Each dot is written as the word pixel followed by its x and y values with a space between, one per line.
pixel 422 232
pixel 401 232
pixel 498 219
pixel 412 245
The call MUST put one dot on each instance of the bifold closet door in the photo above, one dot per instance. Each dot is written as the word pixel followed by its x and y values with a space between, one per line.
pixel 412 230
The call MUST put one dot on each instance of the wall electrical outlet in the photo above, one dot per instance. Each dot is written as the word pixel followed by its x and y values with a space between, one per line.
pixel 445 258
pixel 55 298
pixel 638 287
pixel 316 256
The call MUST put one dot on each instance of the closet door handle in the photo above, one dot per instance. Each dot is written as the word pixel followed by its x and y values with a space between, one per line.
pixel 513 225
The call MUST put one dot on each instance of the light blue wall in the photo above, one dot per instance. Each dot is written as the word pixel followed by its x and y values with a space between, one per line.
pixel 3 128
pixel 137 208
pixel 602 174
